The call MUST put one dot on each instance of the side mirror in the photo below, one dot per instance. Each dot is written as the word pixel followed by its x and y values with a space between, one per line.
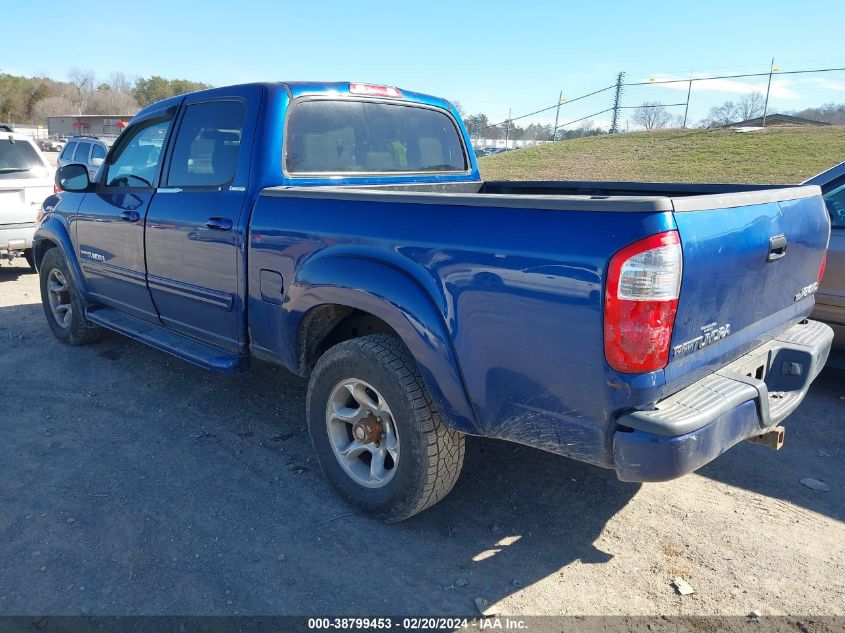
pixel 73 177
pixel 96 162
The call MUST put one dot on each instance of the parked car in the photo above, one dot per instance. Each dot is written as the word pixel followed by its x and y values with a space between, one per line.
pixel 26 179
pixel 830 299
pixel 85 150
pixel 343 232
pixel 51 144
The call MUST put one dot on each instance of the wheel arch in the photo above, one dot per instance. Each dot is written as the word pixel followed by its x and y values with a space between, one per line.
pixel 53 233
pixel 341 297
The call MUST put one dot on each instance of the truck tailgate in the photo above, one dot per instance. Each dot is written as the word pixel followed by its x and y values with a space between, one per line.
pixel 751 265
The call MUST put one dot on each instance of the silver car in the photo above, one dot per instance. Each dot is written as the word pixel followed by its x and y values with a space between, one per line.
pixel 26 178
pixel 87 150
pixel 830 298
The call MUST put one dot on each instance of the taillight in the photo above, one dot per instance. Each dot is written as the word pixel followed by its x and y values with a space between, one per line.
pixel 641 299
pixel 821 268
pixel 375 91
pixel 56 188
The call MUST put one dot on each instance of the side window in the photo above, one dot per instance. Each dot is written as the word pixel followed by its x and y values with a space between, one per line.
pixel 97 152
pixel 135 160
pixel 835 200
pixel 81 155
pixel 207 145
pixel 67 152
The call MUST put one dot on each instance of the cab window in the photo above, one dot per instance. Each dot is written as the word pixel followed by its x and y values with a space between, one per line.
pixel 135 160
pixel 207 145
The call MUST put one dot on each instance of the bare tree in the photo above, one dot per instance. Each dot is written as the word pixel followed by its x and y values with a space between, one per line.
pixel 119 82
pixel 651 115
pixel 83 86
pixel 723 115
pixel 111 102
pixel 53 106
pixel 750 106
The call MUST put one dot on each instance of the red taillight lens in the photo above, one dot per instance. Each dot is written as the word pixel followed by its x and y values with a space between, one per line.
pixel 375 91
pixel 56 188
pixel 821 268
pixel 641 299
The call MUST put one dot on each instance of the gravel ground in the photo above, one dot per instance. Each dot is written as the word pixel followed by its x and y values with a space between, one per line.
pixel 133 483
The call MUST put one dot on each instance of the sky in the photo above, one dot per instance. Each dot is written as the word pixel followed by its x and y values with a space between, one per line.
pixel 492 57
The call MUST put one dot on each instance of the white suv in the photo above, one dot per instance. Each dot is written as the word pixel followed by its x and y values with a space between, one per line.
pixel 26 178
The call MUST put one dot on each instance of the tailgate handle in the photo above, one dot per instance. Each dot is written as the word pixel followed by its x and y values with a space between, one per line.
pixel 777 247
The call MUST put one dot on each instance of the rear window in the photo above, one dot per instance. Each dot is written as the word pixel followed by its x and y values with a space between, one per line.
pixel 348 136
pixel 67 152
pixel 18 159
pixel 81 155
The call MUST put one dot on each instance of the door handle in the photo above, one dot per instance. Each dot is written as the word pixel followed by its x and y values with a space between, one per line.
pixel 219 224
pixel 130 216
pixel 777 247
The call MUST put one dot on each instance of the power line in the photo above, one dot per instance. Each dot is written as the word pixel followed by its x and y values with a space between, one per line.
pixel 766 74
pixel 589 94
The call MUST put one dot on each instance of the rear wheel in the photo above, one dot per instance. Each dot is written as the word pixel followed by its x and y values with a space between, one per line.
pixel 378 438
pixel 63 307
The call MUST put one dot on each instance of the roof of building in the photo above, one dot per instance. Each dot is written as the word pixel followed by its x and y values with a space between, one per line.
pixel 776 119
pixel 91 116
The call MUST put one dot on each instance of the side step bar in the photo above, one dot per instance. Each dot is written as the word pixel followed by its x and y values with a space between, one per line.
pixel 190 350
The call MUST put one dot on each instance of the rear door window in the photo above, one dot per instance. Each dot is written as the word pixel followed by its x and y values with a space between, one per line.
pixel 207 145
pixel 325 136
pixel 67 152
pixel 81 155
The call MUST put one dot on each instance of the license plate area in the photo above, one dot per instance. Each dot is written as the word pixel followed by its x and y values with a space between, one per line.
pixel 757 367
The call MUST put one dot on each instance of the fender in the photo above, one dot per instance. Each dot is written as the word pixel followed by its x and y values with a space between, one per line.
pixel 53 228
pixel 398 299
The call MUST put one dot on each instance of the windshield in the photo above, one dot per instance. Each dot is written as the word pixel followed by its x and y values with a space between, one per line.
pixel 326 136
pixel 18 159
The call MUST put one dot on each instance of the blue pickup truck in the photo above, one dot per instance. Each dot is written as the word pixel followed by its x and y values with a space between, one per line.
pixel 342 231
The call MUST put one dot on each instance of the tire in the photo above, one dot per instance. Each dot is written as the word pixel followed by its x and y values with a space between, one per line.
pixel 30 258
pixel 429 456
pixel 75 329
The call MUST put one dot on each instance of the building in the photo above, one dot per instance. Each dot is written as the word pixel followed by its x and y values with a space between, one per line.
pixel 96 124
pixel 776 120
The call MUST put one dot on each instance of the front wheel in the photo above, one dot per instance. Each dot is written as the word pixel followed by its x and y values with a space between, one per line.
pixel 378 438
pixel 62 304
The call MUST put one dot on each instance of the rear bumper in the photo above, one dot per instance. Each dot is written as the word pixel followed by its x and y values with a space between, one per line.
pixel 16 237
pixel 742 400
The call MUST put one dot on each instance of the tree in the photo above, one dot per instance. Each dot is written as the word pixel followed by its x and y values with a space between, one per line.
pixel 110 102
pixel 725 114
pixel 156 88
pixel 83 85
pixel 53 106
pixel 750 106
pixel 651 115
pixel 460 109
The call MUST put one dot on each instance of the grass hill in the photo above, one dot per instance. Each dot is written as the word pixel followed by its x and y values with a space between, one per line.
pixel 774 155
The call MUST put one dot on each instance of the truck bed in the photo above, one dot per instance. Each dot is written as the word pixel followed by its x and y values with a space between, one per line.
pixel 562 195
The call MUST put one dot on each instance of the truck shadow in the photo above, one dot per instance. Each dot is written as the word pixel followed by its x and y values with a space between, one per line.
pixel 814 448
pixel 11 272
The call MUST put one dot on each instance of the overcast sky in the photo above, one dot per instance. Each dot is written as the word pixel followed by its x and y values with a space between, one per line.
pixel 490 56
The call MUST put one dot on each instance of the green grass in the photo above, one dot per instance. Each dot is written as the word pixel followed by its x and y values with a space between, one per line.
pixel 774 155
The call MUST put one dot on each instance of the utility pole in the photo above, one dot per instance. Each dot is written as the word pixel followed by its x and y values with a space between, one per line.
pixel 557 115
pixel 616 103
pixel 508 129
pixel 768 88
pixel 686 109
